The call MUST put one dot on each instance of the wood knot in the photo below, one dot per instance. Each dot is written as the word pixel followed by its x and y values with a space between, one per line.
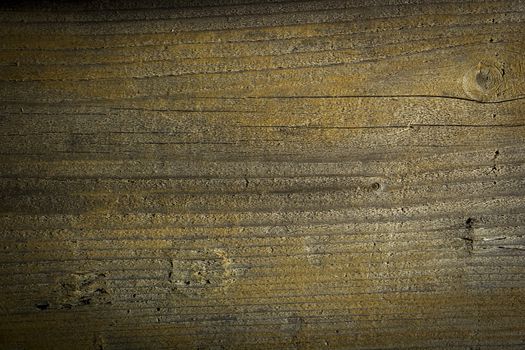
pixel 83 289
pixel 484 81
pixel 201 272
pixel 80 289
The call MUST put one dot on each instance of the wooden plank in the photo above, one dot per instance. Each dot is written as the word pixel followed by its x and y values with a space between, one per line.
pixel 262 175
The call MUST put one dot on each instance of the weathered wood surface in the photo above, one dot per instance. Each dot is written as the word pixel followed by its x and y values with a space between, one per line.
pixel 282 175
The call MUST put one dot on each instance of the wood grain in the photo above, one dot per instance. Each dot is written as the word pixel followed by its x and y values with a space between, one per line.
pixel 262 175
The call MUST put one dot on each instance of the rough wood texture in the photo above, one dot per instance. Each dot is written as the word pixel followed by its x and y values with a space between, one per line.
pixel 281 175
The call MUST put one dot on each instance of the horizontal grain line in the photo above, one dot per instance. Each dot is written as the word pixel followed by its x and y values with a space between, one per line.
pixel 374 279
pixel 277 176
pixel 234 71
pixel 369 317
pixel 445 249
pixel 326 247
pixel 268 10
pixel 458 265
pixel 385 126
pixel 256 41
pixel 191 59
pixel 384 211
pixel 235 6
pixel 296 24
pixel 315 97
pixel 517 98
pixel 146 312
pixel 277 223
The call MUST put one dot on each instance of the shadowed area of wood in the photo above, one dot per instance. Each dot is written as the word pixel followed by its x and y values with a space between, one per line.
pixel 262 175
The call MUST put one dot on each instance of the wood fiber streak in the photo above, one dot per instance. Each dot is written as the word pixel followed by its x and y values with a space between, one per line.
pixel 262 175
